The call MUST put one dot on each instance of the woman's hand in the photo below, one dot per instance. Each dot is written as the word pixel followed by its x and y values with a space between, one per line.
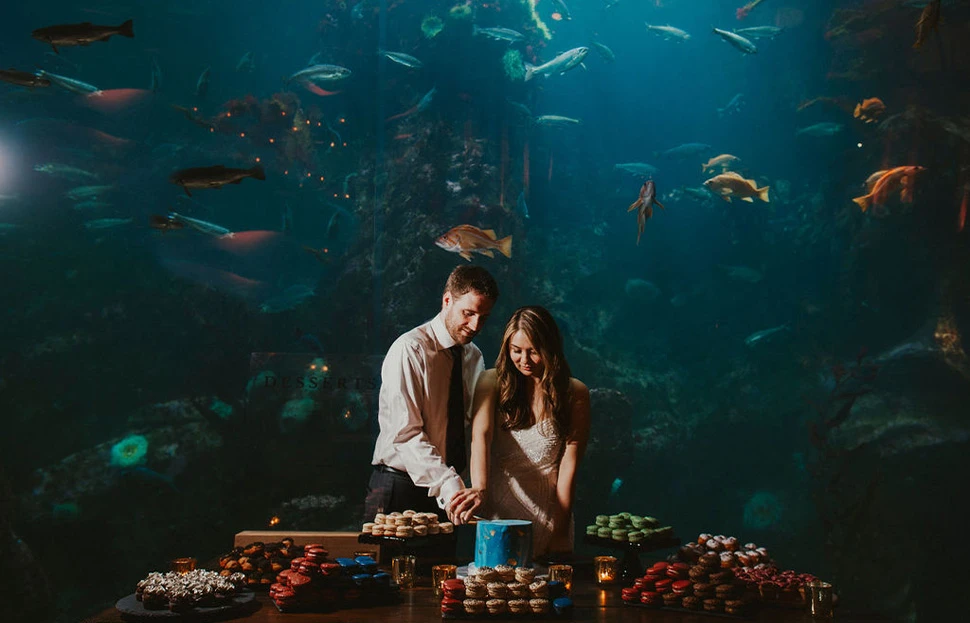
pixel 464 504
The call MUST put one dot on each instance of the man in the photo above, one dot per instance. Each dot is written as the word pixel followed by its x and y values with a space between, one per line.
pixel 420 450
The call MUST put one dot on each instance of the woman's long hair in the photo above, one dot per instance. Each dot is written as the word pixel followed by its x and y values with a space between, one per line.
pixel 538 325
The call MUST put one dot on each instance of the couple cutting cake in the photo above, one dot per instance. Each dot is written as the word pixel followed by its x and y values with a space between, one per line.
pixel 529 419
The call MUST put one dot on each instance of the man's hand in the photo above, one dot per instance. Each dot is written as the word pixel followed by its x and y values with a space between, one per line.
pixel 463 505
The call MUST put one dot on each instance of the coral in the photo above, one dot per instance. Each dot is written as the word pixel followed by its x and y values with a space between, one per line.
pixel 431 26
pixel 223 410
pixel 129 451
pixel 540 25
pixel 514 66
pixel 295 413
pixel 460 12
pixel 763 511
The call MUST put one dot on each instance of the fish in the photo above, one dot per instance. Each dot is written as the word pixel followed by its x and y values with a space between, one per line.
pixel 213 177
pixel 723 162
pixel 88 192
pixel 80 34
pixel 499 34
pixel 733 106
pixel 760 32
pixel 765 335
pixel 615 487
pixel 826 128
pixel 23 78
pixel 68 84
pixel 164 223
pixel 310 341
pixel 644 206
pixel 291 298
pixel 156 76
pixel 737 41
pixel 929 20
pixel 84 206
pixel 869 110
pixel 319 73
pixel 65 171
pixel 636 168
pixel 246 62
pixel 727 185
pixel 901 178
pixel 521 205
pixel 202 84
pixel 520 108
pixel 872 179
pixel 742 273
pixel 467 239
pixel 604 51
pixel 421 106
pixel 105 223
pixel 203 226
pixel 687 150
pixel 403 59
pixel 700 193
pixel 559 65
pixel 669 32
pixel 556 120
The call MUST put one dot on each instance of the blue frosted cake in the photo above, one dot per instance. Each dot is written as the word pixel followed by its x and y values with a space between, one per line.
pixel 503 542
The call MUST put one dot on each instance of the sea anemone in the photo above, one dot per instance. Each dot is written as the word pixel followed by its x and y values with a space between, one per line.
pixel 129 451
pixel 431 25
pixel 763 511
pixel 460 12
pixel 514 66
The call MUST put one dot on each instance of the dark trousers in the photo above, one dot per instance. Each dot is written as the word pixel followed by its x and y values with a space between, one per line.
pixel 390 491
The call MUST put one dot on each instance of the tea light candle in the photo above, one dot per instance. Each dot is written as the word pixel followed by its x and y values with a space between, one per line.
pixel 183 565
pixel 606 569
pixel 562 573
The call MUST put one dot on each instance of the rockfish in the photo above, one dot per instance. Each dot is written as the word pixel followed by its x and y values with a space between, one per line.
pixel 727 185
pixel 723 162
pixel 869 110
pixel 467 239
pixel 214 177
pixel 23 78
pixel 80 34
pixel 893 179
pixel 644 206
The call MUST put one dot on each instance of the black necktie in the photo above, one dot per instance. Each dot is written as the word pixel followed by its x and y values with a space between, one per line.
pixel 455 447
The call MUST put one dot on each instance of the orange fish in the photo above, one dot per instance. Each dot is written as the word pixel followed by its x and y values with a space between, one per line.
pixel 467 239
pixel 872 179
pixel 731 184
pixel 644 205
pixel 897 178
pixel 723 162
pixel 928 21
pixel 869 109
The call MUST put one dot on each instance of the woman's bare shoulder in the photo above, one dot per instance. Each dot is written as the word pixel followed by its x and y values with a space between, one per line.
pixel 578 388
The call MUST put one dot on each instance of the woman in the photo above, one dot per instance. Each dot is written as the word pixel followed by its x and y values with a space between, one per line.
pixel 529 433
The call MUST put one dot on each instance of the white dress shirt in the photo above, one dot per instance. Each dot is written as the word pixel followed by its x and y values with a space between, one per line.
pixel 413 406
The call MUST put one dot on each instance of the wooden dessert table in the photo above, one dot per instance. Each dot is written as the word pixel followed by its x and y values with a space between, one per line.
pixel 418 605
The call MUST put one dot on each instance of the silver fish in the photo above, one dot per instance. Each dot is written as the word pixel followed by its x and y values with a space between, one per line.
pixel 403 59
pixel 604 51
pixel 760 32
pixel 65 171
pixel 559 65
pixel 499 34
pixel 669 32
pixel 737 41
pixel 826 128
pixel 105 223
pixel 763 336
pixel 733 106
pixel 202 84
pixel 556 120
pixel 315 73
pixel 88 192
pixel 522 205
pixel 636 168
pixel 69 84
pixel 203 226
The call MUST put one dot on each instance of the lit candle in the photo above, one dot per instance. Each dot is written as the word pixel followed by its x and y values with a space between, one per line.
pixel 562 573
pixel 605 568
pixel 183 565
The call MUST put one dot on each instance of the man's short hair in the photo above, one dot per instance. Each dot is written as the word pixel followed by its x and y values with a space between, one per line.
pixel 466 278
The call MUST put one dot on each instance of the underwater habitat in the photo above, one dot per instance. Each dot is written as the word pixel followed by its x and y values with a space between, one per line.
pixel 748 219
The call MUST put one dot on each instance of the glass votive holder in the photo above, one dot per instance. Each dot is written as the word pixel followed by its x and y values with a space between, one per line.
pixel 183 565
pixel 562 573
pixel 402 570
pixel 440 573
pixel 368 553
pixel 605 569
pixel 820 601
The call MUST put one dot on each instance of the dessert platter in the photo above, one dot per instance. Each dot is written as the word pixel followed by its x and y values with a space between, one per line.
pixel 259 562
pixel 408 528
pixel 195 595
pixel 702 588
pixel 502 582
pixel 634 535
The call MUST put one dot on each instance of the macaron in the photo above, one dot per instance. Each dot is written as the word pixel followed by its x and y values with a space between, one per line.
pixel 631 594
pixel 562 605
